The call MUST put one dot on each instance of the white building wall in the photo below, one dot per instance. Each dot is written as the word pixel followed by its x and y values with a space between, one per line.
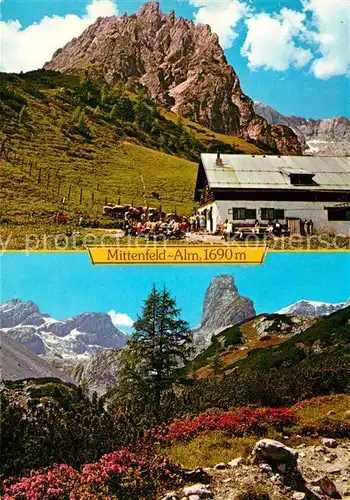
pixel 315 211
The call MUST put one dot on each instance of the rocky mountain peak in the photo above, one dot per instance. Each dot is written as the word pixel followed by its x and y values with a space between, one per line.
pixel 82 335
pixel 313 309
pixel 150 12
pixel 325 137
pixel 223 306
pixel 177 60
pixel 16 311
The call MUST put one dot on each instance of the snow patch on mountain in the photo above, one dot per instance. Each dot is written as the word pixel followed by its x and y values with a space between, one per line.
pixel 325 137
pixel 312 309
pixel 78 337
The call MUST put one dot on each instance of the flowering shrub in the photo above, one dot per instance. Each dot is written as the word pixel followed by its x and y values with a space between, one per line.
pixel 54 483
pixel 120 474
pixel 239 421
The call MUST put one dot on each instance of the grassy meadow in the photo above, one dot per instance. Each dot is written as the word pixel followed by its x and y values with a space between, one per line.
pixel 70 144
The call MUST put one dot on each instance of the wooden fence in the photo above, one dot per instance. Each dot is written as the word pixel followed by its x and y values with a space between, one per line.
pixel 63 189
pixel 65 192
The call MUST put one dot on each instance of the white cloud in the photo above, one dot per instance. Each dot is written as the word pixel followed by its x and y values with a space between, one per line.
pixel 272 40
pixel 331 22
pixel 120 319
pixel 29 48
pixel 222 17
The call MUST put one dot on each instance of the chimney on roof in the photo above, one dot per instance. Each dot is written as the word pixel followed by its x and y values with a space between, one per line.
pixel 218 158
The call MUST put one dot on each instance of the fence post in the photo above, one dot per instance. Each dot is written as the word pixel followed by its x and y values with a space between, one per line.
pixel 81 196
pixel 92 198
pixel 39 176
pixel 69 190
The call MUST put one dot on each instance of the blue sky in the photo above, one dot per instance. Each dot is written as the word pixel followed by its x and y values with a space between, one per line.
pixel 67 284
pixel 291 54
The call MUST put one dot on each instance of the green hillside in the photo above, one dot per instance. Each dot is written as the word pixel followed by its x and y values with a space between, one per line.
pixel 241 347
pixel 88 143
pixel 325 341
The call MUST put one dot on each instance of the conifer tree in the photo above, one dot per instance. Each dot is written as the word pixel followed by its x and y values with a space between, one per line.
pixel 161 340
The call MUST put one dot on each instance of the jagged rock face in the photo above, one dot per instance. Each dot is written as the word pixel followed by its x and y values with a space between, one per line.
pixel 329 137
pixel 312 309
pixel 99 372
pixel 223 307
pixel 79 336
pixel 172 57
pixel 281 325
pixel 13 312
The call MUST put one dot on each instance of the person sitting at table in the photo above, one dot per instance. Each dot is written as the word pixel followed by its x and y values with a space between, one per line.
pixel 277 228
pixel 269 228
pixel 228 230
pixel 256 227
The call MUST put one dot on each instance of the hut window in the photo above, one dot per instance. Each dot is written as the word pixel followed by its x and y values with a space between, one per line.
pixel 238 213
pixel 243 213
pixel 250 213
pixel 272 213
pixel 302 179
pixel 338 214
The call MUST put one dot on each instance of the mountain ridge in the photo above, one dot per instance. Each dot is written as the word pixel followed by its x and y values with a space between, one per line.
pixel 179 63
pixel 19 363
pixel 78 336
pixel 313 309
pixel 322 137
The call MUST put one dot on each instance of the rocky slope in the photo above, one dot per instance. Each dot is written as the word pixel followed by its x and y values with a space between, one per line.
pixel 181 64
pixel 312 309
pixel 76 337
pixel 328 137
pixel 223 307
pixel 280 473
pixel 99 372
pixel 18 363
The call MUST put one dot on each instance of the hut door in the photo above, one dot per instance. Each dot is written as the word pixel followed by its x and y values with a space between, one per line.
pixel 294 226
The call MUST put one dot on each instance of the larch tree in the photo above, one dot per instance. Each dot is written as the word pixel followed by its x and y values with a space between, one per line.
pixel 160 343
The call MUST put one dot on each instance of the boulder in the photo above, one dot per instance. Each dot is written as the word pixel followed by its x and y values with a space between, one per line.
pixel 298 495
pixel 198 489
pixel 271 451
pixel 319 449
pixel 220 466
pixel 171 495
pixel 236 462
pixel 329 442
pixel 327 486
pixel 198 475
pixel 266 468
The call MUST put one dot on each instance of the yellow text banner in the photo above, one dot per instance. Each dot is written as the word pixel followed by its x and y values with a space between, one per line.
pixel 178 254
